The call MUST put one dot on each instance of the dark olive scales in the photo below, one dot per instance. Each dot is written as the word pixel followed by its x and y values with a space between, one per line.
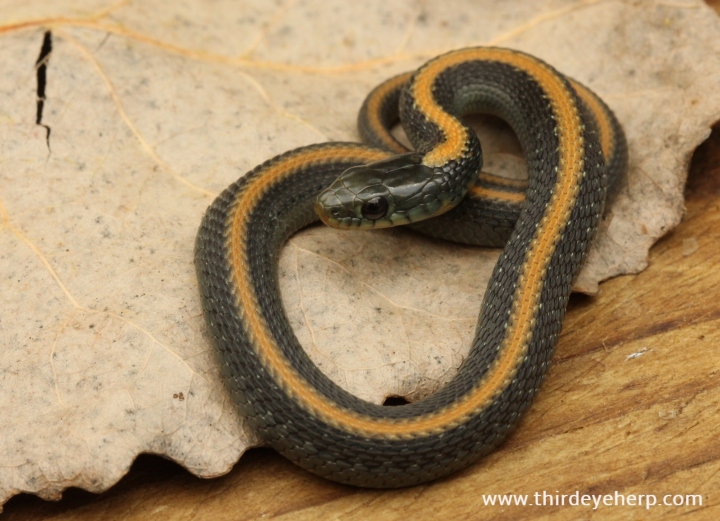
pixel 285 398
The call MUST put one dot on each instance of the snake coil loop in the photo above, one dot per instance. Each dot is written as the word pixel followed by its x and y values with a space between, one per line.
pixel 572 143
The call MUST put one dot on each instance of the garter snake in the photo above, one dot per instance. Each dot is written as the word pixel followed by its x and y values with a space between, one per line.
pixel 285 398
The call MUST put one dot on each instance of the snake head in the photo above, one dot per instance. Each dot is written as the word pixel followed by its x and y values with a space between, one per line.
pixel 389 192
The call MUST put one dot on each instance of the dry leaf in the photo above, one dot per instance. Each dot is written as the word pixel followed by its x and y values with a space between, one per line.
pixel 153 109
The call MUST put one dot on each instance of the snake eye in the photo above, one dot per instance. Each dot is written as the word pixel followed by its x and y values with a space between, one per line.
pixel 375 208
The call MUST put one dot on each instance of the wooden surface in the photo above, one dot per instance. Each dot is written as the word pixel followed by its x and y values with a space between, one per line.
pixel 631 405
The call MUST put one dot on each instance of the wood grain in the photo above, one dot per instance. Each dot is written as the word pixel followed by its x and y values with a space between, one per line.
pixel 631 405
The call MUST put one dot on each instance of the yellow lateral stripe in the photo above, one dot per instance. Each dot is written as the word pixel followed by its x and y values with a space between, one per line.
pixel 526 298
pixel 605 127
pixel 570 171
pixel 500 195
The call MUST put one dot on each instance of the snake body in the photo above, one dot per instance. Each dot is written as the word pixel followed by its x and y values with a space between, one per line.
pixel 285 398
pixel 490 209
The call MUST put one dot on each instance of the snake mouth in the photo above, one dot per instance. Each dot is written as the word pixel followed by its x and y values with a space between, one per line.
pixel 349 223
pixel 342 223
pixel 324 217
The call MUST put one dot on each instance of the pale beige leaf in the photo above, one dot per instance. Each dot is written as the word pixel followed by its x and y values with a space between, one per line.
pixel 155 107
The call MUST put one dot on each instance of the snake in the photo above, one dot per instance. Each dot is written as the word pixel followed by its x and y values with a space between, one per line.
pixel 573 145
